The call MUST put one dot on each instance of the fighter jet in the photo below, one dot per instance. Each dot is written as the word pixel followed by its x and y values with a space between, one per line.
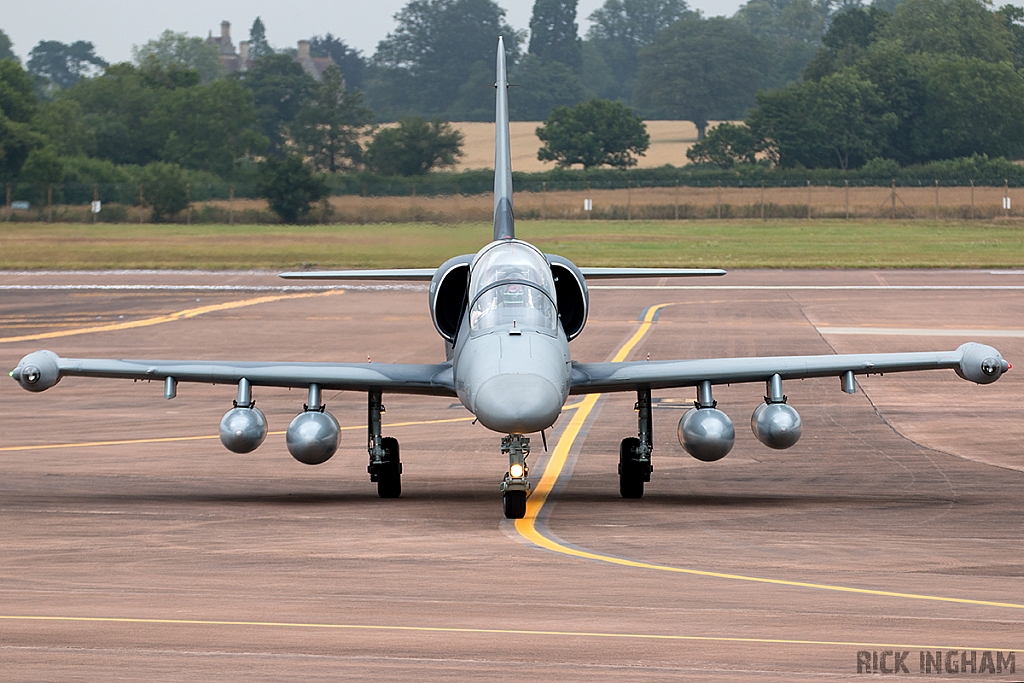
pixel 507 315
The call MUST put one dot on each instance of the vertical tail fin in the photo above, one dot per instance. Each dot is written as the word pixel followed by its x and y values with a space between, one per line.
pixel 504 221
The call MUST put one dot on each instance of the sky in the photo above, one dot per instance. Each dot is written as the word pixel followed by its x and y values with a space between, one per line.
pixel 114 26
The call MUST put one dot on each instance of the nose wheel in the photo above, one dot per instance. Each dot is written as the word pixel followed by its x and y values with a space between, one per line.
pixel 515 488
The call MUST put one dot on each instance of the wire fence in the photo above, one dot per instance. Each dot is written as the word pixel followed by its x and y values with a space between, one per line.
pixel 536 200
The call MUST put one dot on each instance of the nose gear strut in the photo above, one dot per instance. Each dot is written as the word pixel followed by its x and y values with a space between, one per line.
pixel 516 486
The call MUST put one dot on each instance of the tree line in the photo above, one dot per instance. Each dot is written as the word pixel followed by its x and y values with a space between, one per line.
pixel 819 84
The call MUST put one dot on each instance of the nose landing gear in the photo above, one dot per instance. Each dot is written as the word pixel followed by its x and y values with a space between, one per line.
pixel 516 486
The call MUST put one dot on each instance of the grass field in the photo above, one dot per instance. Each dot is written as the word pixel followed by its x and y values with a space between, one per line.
pixel 731 244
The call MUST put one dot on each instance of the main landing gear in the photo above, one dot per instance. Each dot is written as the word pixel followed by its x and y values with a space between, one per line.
pixel 635 452
pixel 516 486
pixel 385 466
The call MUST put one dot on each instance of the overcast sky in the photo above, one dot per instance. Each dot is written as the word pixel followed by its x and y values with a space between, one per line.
pixel 115 25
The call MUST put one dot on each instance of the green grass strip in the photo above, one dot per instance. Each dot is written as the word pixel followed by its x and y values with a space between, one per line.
pixel 791 243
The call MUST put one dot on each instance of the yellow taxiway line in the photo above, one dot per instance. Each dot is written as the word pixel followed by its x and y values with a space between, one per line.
pixel 491 631
pixel 170 317
pixel 528 528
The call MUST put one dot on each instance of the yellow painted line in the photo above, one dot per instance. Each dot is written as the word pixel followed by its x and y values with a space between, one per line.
pixel 491 631
pixel 527 527
pixel 171 439
pixel 170 317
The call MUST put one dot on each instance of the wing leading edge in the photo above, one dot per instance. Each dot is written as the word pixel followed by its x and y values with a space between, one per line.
pixel 41 370
pixel 975 362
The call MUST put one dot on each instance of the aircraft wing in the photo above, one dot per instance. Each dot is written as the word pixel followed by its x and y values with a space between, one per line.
pixel 975 362
pixel 612 273
pixel 407 274
pixel 42 369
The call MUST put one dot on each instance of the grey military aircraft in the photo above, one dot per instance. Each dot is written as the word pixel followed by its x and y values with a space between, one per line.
pixel 507 315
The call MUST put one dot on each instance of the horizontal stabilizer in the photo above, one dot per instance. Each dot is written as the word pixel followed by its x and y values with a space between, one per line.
pixel 610 273
pixel 407 274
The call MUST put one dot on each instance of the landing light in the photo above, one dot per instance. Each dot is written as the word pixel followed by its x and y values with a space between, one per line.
pixel 516 471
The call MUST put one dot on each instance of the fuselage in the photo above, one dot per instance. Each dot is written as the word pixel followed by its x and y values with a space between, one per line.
pixel 511 357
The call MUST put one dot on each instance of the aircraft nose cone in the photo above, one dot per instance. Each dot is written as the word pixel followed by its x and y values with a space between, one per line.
pixel 517 404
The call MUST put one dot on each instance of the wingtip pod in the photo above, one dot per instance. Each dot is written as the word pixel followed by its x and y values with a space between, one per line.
pixel 980 363
pixel 38 371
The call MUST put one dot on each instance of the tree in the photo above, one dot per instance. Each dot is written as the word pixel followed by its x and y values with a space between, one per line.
pixel 422 65
pixel 5 47
pixel 1013 19
pixel 348 59
pixel 289 186
pixel 180 50
pixel 279 87
pixel 414 147
pixel 64 65
pixel 839 121
pixel 545 85
pixel 61 124
pixel 972 107
pixel 17 105
pixel 114 107
pixel 328 127
pixel 701 69
pixel 207 127
pixel 17 101
pixel 850 34
pixel 554 32
pixel 165 189
pixel 258 45
pixel 962 28
pixel 620 28
pixel 794 28
pixel 42 167
pixel 593 133
pixel 725 145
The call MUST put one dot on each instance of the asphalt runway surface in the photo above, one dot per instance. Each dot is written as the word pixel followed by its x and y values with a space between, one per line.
pixel 133 545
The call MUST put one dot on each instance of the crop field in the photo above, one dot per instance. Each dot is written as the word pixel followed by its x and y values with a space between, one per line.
pixel 738 243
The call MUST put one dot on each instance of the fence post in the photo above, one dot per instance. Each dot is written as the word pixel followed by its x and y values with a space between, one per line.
pixel 808 200
pixel 8 203
pixel 847 200
pixel 893 214
pixel 231 204
pixel 1006 197
pixel 936 200
pixel 972 200
pixel 762 200
pixel 142 204
pixel 629 200
pixel 589 213
pixel 677 200
pixel 49 204
pixel 188 197
pixel 719 200
pixel 543 200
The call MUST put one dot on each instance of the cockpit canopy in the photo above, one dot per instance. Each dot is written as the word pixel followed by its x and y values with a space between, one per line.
pixel 511 284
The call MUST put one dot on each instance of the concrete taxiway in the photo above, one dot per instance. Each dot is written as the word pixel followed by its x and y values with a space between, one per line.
pixel 134 545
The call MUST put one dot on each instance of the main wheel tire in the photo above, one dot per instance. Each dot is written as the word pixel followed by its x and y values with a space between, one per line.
pixel 631 478
pixel 389 477
pixel 514 503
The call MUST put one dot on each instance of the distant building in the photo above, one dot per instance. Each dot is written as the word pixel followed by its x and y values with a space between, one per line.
pixel 239 61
